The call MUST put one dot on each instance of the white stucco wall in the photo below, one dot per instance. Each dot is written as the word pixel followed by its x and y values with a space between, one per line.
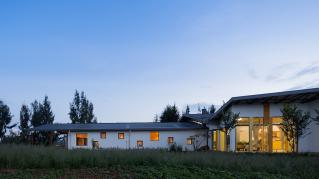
pixel 130 140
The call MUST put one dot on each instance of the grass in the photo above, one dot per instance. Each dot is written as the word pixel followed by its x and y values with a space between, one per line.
pixel 52 162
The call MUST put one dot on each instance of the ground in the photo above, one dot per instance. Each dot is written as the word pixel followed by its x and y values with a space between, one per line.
pixel 20 161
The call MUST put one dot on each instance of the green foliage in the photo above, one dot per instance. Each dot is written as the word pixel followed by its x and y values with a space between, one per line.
pixel 175 148
pixel 5 119
pixel 81 110
pixel 159 163
pixel 294 125
pixel 212 109
pixel 24 122
pixel 229 120
pixel 42 114
pixel 170 114
pixel 156 119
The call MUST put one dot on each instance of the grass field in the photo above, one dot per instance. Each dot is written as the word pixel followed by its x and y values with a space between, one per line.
pixel 18 161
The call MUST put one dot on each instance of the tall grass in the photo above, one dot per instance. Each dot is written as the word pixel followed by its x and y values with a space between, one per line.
pixel 40 157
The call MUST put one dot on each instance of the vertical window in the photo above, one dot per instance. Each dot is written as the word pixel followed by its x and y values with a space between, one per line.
pixel 103 135
pixel 215 140
pixel 139 144
pixel 189 141
pixel 81 139
pixel 170 140
pixel 154 136
pixel 121 135
pixel 242 138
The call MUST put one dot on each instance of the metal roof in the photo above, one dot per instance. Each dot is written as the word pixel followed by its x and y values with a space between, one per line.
pixel 142 126
pixel 296 96
pixel 202 118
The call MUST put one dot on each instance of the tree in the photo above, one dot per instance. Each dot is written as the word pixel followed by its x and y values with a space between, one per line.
pixel 24 122
pixel 156 119
pixel 81 110
pixel 317 117
pixel 187 111
pixel 42 114
pixel 229 121
pixel 5 119
pixel 295 124
pixel 212 109
pixel 170 114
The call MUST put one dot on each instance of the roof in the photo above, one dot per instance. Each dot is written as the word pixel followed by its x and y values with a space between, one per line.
pixel 202 118
pixel 296 96
pixel 142 126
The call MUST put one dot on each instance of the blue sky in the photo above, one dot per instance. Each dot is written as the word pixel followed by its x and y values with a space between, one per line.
pixel 132 58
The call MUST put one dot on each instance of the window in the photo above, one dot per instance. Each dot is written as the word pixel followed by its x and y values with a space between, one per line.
pixel 242 138
pixel 170 140
pixel 189 141
pixel 215 140
pixel 139 143
pixel 82 139
pixel 154 136
pixel 103 135
pixel 121 135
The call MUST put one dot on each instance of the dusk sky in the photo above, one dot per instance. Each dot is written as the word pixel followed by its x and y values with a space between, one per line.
pixel 132 58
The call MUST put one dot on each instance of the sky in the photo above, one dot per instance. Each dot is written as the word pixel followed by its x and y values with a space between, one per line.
pixel 132 58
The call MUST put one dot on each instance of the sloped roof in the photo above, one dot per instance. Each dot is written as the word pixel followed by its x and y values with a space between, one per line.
pixel 142 126
pixel 296 96
pixel 202 118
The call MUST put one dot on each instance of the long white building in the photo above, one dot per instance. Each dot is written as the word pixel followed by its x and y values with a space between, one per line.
pixel 258 128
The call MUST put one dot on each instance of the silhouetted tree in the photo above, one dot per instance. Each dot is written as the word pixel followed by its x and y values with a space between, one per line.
pixel 156 119
pixel 187 111
pixel 294 125
pixel 170 114
pixel 228 121
pixel 212 109
pixel 5 119
pixel 24 122
pixel 81 110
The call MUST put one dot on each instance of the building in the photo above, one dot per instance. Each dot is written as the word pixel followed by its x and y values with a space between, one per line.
pixel 189 136
pixel 258 128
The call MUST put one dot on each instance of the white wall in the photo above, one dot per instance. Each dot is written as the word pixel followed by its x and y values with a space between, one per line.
pixel 112 141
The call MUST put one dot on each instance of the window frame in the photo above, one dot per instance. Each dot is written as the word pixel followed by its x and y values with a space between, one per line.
pixel 189 139
pixel 103 135
pixel 120 134
pixel 151 136
pixel 140 146
pixel 170 141
pixel 85 139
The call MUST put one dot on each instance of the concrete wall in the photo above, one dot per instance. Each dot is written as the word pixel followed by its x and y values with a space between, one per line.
pixel 308 143
pixel 130 140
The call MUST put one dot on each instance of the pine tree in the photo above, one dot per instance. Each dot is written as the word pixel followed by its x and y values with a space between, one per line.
pixel 5 119
pixel 212 109
pixel 81 109
pixel 24 123
pixel 170 114
pixel 47 114
pixel 187 111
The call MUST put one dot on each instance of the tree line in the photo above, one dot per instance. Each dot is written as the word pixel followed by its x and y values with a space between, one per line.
pixel 40 113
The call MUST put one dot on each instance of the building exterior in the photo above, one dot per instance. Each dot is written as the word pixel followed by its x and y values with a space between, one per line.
pixel 259 124
pixel 258 128
pixel 189 136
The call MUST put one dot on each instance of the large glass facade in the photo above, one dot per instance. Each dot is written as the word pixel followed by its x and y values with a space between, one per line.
pixel 252 135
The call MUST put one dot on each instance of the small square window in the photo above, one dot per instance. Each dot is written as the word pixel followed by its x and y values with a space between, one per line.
pixel 170 140
pixel 139 144
pixel 189 141
pixel 81 139
pixel 154 136
pixel 121 135
pixel 103 135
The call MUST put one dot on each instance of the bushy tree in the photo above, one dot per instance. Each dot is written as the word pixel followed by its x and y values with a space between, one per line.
pixel 295 124
pixel 170 114
pixel 42 114
pixel 5 119
pixel 229 121
pixel 81 110
pixel 212 109
pixel 24 122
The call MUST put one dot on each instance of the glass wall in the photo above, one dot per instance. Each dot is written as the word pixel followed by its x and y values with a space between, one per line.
pixel 279 141
pixel 242 138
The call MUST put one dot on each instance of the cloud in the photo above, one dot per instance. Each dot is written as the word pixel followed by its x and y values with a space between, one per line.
pixel 307 85
pixel 310 69
pixel 252 73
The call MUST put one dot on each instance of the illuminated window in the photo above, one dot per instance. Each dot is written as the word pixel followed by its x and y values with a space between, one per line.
pixel 121 135
pixel 189 141
pixel 170 140
pixel 82 139
pixel 276 120
pixel 243 120
pixel 154 136
pixel 103 135
pixel 139 143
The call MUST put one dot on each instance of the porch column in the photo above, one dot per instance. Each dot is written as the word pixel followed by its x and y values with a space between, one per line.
pixel 268 123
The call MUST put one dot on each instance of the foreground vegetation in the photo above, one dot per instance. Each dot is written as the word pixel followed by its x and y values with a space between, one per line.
pixel 29 161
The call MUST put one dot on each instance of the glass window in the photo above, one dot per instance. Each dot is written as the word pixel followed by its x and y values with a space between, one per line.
pixel 276 120
pixel 121 135
pixel 242 138
pixel 170 140
pixel 215 139
pixel 279 141
pixel 102 135
pixel 154 136
pixel 189 141
pixel 139 143
pixel 81 139
pixel 222 140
